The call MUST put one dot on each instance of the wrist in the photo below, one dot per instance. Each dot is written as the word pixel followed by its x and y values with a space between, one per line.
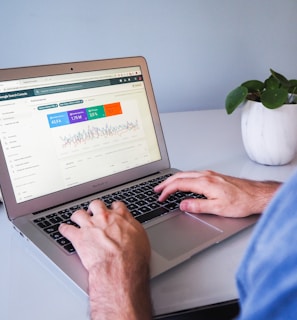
pixel 118 291
pixel 266 191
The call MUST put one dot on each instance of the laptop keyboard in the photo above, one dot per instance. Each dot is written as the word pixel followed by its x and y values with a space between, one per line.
pixel 141 200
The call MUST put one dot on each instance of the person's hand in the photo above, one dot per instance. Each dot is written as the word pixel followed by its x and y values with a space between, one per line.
pixel 115 250
pixel 226 196
pixel 106 234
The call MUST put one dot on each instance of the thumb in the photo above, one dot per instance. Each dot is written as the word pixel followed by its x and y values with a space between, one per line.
pixel 196 206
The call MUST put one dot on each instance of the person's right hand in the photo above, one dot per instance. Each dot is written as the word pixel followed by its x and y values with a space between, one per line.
pixel 226 196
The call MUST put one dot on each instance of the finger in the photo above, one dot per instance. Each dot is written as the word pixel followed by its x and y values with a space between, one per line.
pixel 97 207
pixel 180 184
pixel 199 206
pixel 182 174
pixel 120 208
pixel 102 216
pixel 81 217
pixel 68 231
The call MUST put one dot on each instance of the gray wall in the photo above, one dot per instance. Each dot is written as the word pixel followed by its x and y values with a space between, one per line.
pixel 197 50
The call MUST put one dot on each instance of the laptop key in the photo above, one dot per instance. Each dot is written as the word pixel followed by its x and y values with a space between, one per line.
pixel 55 219
pixel 151 215
pixel 44 224
pixel 69 247
pixel 52 229
pixel 132 206
pixel 63 241
pixel 56 235
pixel 171 206
pixel 154 205
pixel 144 209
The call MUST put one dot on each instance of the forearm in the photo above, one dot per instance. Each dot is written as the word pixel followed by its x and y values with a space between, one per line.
pixel 120 293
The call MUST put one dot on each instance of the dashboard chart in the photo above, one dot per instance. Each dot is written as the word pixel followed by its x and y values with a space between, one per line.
pixel 98 140
pixel 93 133
pixel 97 127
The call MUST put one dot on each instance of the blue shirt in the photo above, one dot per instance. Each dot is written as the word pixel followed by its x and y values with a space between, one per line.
pixel 267 277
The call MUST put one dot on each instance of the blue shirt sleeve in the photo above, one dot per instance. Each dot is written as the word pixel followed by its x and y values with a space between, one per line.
pixel 267 277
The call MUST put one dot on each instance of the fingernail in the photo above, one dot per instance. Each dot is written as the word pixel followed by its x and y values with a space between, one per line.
pixel 183 206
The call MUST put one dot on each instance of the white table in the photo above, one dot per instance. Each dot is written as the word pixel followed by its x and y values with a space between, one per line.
pixel 33 288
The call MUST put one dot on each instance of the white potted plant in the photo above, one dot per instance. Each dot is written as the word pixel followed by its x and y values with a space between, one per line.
pixel 269 118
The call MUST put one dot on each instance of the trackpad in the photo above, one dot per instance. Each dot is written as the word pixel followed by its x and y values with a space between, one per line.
pixel 179 235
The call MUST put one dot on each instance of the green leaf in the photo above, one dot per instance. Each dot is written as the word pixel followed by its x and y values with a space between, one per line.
pixel 293 86
pixel 235 98
pixel 253 85
pixel 274 98
pixel 282 79
pixel 272 83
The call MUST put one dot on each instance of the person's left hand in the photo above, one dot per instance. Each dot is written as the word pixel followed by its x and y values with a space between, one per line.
pixel 115 250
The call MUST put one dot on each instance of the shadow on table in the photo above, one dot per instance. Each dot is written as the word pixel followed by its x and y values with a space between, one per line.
pixel 222 311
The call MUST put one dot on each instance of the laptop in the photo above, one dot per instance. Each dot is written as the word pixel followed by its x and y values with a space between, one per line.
pixel 74 132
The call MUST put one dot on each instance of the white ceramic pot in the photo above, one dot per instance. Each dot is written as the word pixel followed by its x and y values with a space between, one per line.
pixel 269 135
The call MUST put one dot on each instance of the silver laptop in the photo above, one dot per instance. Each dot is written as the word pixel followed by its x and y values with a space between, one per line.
pixel 78 131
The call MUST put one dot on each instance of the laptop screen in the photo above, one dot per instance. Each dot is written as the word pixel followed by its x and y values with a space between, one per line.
pixel 61 131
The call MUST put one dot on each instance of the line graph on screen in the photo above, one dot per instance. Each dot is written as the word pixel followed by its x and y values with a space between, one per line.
pixel 99 133
pixel 91 133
